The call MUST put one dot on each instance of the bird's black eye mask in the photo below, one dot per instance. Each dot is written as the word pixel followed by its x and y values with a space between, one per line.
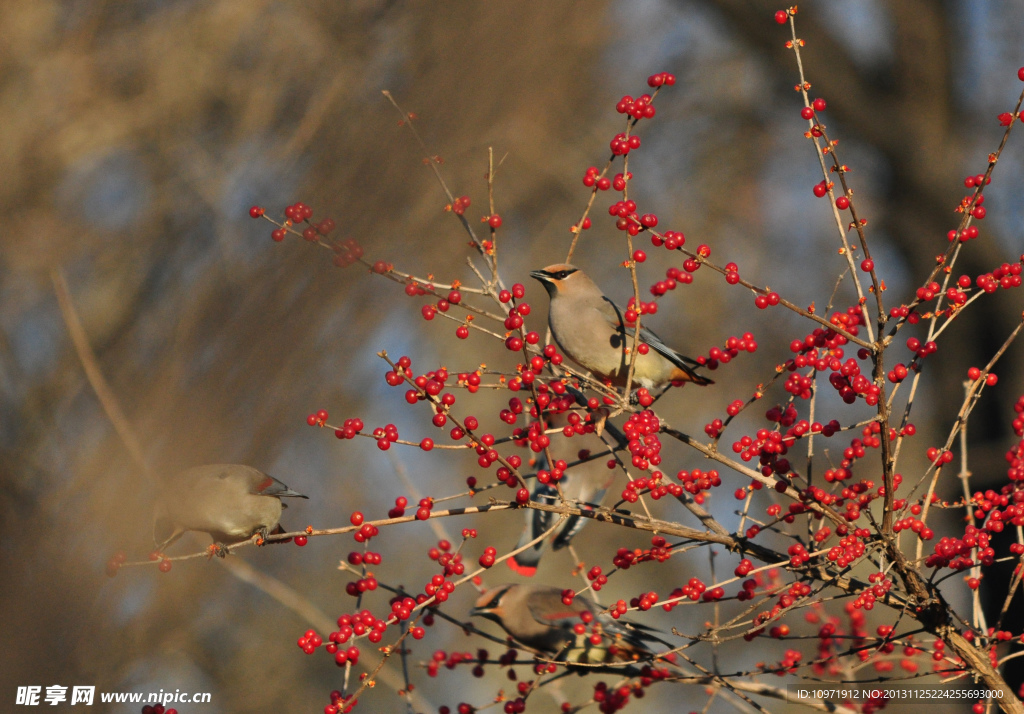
pixel 493 602
pixel 562 274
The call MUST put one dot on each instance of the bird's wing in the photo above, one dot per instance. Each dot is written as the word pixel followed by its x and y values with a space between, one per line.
pixel 632 639
pixel 547 608
pixel 591 491
pixel 573 525
pixel 614 315
pixel 640 637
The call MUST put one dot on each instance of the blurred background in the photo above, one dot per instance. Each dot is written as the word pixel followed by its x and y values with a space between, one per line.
pixel 137 135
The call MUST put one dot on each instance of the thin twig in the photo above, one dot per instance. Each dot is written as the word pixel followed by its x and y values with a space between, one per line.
pixel 100 386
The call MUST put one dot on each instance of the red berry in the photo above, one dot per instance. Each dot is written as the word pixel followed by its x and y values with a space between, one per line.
pixel 255 212
pixel 356 518
pixel 1020 74
pixel 301 540
pixel 807 113
pixel 842 203
pixel 867 265
pixel 165 566
pixel 494 221
pixel 639 256
pixel 819 104
pixel 781 16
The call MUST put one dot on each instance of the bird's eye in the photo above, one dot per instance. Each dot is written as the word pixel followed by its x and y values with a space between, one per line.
pixel 562 274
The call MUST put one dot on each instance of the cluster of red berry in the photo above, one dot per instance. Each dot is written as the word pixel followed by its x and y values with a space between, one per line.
pixel 839 501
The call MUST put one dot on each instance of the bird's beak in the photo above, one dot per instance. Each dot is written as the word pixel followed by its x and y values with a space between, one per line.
pixel 288 493
pixel 541 276
pixel 485 612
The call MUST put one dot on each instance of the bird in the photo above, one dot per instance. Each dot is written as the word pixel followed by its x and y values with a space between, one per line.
pixel 231 502
pixel 590 330
pixel 582 484
pixel 537 616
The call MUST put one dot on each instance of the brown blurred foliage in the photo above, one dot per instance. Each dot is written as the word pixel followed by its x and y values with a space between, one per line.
pixel 135 137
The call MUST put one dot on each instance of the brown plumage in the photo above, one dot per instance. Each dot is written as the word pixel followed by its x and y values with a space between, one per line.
pixel 231 502
pixel 536 616
pixel 590 330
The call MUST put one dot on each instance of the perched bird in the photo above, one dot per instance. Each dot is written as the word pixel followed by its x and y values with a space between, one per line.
pixel 591 331
pixel 583 484
pixel 231 502
pixel 537 616
pixel 586 484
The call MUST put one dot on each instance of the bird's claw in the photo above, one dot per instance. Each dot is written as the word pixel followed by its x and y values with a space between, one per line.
pixel 217 549
pixel 260 537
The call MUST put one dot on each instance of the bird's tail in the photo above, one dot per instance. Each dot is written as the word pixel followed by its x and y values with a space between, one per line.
pixel 685 374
